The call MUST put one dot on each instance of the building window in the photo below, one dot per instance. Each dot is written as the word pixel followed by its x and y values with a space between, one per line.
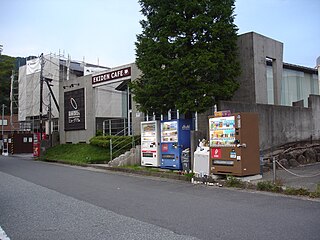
pixel 55 125
pixel 270 89
pixel 5 122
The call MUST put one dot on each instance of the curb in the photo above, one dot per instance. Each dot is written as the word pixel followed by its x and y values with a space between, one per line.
pixel 125 170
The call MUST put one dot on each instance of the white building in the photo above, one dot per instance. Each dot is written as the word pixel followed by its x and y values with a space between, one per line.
pixel 56 71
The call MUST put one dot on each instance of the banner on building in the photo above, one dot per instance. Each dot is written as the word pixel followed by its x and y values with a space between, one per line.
pixel 33 66
pixel 91 70
pixel 74 110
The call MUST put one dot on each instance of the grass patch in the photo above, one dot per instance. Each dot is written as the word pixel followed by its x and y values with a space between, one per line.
pixel 149 169
pixel 98 151
pixel 77 154
pixel 297 191
pixel 316 194
pixel 278 188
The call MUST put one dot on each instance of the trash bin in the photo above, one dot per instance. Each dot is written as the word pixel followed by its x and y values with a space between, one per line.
pixel 201 161
pixel 186 160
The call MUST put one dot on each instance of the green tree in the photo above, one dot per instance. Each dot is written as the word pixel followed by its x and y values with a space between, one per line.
pixel 7 64
pixel 187 53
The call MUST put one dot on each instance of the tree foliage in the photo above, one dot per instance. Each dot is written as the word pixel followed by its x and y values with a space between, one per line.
pixel 7 64
pixel 187 53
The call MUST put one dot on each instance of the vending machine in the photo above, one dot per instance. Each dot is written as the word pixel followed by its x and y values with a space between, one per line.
pixel 175 137
pixel 150 143
pixel 234 144
pixel 37 143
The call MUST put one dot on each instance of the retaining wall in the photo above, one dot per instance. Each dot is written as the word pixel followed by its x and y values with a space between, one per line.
pixel 279 125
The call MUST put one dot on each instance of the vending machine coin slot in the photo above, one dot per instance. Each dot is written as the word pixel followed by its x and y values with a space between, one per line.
pixel 148 155
pixel 168 156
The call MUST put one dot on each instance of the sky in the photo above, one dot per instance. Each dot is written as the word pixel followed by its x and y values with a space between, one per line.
pixel 104 31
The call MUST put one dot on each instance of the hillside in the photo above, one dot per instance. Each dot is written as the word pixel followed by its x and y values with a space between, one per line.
pixel 7 64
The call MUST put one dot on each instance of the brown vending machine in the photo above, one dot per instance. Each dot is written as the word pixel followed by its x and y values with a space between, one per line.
pixel 234 143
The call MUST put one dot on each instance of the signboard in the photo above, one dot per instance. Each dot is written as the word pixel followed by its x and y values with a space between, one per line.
pixel 74 110
pixel 216 152
pixel 116 74
pixel 165 147
pixel 225 113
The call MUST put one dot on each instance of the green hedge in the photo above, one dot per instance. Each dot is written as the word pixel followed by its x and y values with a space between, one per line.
pixel 118 142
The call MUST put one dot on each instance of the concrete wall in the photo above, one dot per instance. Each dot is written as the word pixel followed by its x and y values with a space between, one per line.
pixel 90 112
pixel 137 117
pixel 253 51
pixel 282 124
pixel 314 104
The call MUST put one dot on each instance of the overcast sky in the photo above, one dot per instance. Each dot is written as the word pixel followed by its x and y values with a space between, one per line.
pixel 105 30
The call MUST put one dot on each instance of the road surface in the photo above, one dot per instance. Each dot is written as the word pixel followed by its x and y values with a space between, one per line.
pixel 40 200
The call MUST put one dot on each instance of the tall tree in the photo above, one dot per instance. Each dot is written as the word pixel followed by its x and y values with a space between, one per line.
pixel 187 53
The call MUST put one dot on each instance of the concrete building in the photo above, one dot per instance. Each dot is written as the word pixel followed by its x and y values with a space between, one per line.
pixel 106 102
pixel 97 101
pixel 286 96
pixel 57 70
pixel 266 79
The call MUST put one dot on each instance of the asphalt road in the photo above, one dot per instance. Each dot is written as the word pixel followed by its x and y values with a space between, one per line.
pixel 49 201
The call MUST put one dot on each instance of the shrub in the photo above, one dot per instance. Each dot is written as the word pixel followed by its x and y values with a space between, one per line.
pixel 99 133
pixel 234 182
pixel 268 186
pixel 118 142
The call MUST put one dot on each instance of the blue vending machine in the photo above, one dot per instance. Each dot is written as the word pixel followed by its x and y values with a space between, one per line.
pixel 175 137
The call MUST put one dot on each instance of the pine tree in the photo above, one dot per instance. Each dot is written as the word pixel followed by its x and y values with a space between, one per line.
pixel 187 53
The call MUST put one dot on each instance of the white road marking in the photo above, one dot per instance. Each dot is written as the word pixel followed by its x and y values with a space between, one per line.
pixel 3 235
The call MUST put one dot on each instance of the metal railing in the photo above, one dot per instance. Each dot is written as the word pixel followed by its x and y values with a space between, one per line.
pixel 116 126
pixel 119 145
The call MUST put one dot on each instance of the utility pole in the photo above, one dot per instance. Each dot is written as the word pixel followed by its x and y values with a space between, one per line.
pixel 2 143
pixel 41 94
pixel 129 110
pixel 49 112
pixel 2 120
pixel 11 100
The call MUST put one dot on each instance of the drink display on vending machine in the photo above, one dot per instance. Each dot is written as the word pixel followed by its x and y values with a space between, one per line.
pixel 150 143
pixel 175 137
pixel 234 144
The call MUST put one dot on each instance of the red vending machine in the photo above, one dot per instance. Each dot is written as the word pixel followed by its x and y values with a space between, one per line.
pixel 234 144
pixel 37 143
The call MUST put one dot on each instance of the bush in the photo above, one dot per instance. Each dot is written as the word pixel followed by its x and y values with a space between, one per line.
pixel 268 186
pixel 118 142
pixel 99 133
pixel 234 182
